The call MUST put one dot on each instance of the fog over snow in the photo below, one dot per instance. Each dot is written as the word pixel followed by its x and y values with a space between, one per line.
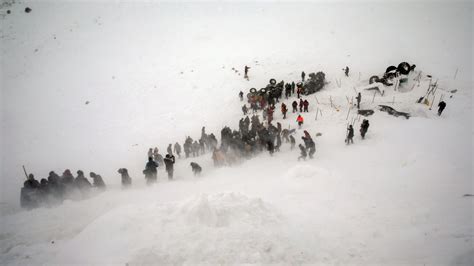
pixel 93 85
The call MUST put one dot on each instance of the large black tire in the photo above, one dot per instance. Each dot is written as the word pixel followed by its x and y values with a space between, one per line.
pixel 273 81
pixel 253 90
pixel 262 90
pixel 374 79
pixel 404 68
pixel 390 69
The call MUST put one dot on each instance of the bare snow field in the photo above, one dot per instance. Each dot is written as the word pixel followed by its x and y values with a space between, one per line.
pixel 153 73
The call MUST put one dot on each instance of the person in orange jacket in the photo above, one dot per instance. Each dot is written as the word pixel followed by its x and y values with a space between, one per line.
pixel 300 120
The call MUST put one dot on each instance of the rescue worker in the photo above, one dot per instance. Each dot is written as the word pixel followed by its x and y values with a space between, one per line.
pixel 300 121
pixel 350 134
pixel 150 171
pixel 126 179
pixel 441 106
pixel 245 109
pixel 358 98
pixel 169 165
pixel 301 105
pixel 304 154
pixel 305 106
pixel 81 181
pixel 364 127
pixel 241 95
pixel 303 76
pixel 98 182
pixel 177 149
pixel 169 150
pixel 295 106
pixel 292 142
pixel 284 110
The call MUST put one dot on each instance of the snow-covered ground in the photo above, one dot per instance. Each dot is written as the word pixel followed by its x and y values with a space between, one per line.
pixel 154 73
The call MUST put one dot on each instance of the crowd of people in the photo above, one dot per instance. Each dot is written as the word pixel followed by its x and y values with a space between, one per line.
pixel 252 137
pixel 54 189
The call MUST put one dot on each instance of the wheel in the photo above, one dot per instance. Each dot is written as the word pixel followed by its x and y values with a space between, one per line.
pixel 390 69
pixel 374 79
pixel 273 81
pixel 404 68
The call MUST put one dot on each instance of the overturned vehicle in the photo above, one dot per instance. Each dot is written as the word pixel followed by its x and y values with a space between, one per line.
pixel 315 83
pixel 392 72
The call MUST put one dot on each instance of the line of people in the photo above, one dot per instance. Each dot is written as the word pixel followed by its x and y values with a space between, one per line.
pixel 54 189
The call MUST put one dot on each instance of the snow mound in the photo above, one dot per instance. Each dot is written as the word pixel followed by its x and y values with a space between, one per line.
pixel 306 171
pixel 223 228
pixel 228 209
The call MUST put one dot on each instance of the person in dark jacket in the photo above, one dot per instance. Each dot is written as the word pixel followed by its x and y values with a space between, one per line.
pixel 304 154
pixel 364 127
pixel 350 134
pixel 150 171
pixel 169 165
pixel 81 181
pixel 301 105
pixel 303 75
pixel 98 181
pixel 305 105
pixel 177 149
pixel 441 106
pixel 292 142
pixel 346 71
pixel 67 178
pixel 284 110
pixel 358 98
pixel 169 150
pixel 241 95
pixel 31 182
pixel 309 144
pixel 295 106
pixel 126 179
pixel 196 168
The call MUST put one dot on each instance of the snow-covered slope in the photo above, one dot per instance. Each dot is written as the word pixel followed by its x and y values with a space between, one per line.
pixel 154 73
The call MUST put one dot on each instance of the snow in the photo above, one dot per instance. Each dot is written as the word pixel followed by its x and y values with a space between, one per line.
pixel 154 73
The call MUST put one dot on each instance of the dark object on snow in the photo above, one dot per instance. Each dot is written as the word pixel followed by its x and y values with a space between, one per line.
pixel 365 112
pixel 9 12
pixel 391 111
pixel 196 168
pixel 374 79
pixel 169 165
pixel 126 179
pixel 404 68
pixel 315 83
pixel 391 69
pixel 468 195
pixel 363 128
pixel 441 106
pixel 273 82
pixel 453 91
pixel 27 10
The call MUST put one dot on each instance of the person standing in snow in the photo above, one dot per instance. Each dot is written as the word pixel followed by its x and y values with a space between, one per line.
pixel 292 142
pixel 346 71
pixel 293 87
pixel 98 181
pixel 358 98
pixel 300 121
pixel 303 76
pixel 246 71
pixel 350 134
pixel 245 109
pixel 169 150
pixel 309 144
pixel 81 181
pixel 301 105
pixel 284 110
pixel 157 156
pixel 150 153
pixel 305 105
pixel 304 154
pixel 241 96
pixel 150 171
pixel 126 179
pixel 177 149
pixel 295 106
pixel 169 165
pixel 364 127
pixel 441 106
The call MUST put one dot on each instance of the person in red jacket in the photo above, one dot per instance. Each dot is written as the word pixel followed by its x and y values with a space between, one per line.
pixel 300 120
pixel 284 110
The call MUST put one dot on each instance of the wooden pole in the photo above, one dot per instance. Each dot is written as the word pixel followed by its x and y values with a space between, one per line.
pixel 455 73
pixel 317 111
pixel 434 97
pixel 321 112
pixel 24 170
pixel 373 98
